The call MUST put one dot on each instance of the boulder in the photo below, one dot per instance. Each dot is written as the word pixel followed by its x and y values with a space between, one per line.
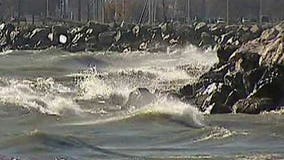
pixel 256 30
pixel 201 27
pixel 140 97
pixel 271 85
pixel 217 30
pixel 245 61
pixel 269 34
pixel 206 39
pixel 225 52
pixel 107 38
pixel 39 38
pixel 97 27
pixel 251 78
pixel 217 97
pixel 253 105
pixel 273 52
pixel 59 35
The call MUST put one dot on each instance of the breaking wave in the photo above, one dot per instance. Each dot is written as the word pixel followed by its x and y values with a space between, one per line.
pixel 43 95
pixel 163 108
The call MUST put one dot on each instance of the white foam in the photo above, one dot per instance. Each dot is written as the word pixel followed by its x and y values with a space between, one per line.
pixel 177 110
pixel 93 87
pixel 42 96
pixel 218 133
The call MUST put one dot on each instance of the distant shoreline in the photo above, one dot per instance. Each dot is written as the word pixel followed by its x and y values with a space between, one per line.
pixel 92 36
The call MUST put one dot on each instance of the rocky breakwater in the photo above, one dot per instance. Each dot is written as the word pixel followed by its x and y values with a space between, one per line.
pixel 249 77
pixel 121 37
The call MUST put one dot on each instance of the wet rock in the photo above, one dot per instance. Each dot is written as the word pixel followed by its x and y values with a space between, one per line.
pixel 140 97
pixel 280 27
pixel 217 30
pixel 201 27
pixel 254 105
pixel 224 39
pixel 97 27
pixel 39 38
pixel 107 38
pixel 269 34
pixel 256 30
pixel 6 30
pixel 206 40
pixel 216 101
pixel 245 61
pixel 273 53
pixel 187 35
pixel 215 74
pixel 251 78
pixel 167 28
pixel 271 85
pixel 225 52
pixel 58 33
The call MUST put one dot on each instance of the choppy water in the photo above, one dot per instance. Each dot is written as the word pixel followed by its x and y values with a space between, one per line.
pixel 59 105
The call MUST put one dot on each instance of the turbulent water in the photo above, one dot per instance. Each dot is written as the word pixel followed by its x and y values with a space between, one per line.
pixel 60 105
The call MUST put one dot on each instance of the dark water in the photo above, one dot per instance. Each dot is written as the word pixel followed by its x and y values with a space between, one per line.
pixel 59 105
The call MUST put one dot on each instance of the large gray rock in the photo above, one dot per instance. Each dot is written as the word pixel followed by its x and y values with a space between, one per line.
pixel 107 38
pixel 253 105
pixel 39 38
pixel 269 34
pixel 225 52
pixel 201 27
pixel 57 34
pixel 140 97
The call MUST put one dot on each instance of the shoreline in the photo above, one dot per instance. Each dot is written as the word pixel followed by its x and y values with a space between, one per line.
pixel 249 77
pixel 122 37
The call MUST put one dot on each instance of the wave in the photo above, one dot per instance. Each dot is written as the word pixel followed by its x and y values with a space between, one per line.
pixel 163 108
pixel 259 157
pixel 57 144
pixel 46 96
pixel 218 133
pixel 276 112
pixel 96 90
pixel 42 94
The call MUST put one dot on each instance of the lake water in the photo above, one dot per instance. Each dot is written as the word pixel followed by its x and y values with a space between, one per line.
pixel 60 105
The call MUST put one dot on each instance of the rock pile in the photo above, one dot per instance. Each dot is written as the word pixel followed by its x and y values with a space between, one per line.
pixel 124 37
pixel 249 77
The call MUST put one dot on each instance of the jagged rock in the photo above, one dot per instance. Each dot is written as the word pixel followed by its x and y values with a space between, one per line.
pixel 187 91
pixel 215 74
pixel 245 61
pixel 254 105
pixel 280 27
pixel 167 28
pixel 225 52
pixel 140 97
pixel 58 33
pixel 273 52
pixel 256 30
pixel 6 30
pixel 251 78
pixel 39 38
pixel 97 27
pixel 107 38
pixel 271 85
pixel 217 30
pixel 269 34
pixel 206 39
pixel 226 37
pixel 201 27
pixel 217 97
pixel 187 34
